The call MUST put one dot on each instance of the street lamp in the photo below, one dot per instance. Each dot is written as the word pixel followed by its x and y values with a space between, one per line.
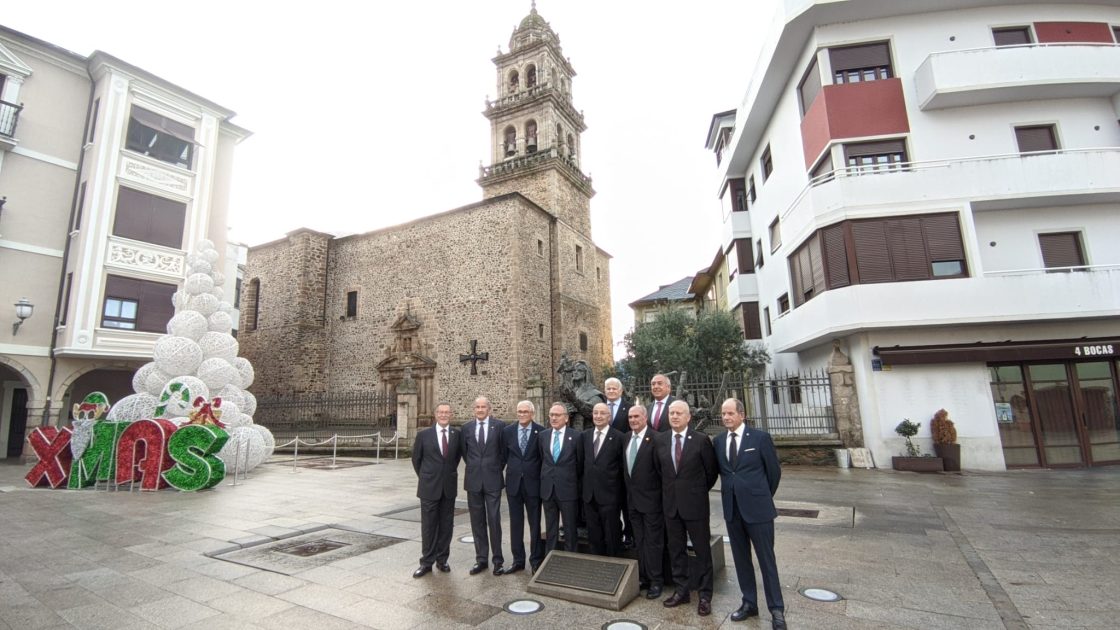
pixel 24 308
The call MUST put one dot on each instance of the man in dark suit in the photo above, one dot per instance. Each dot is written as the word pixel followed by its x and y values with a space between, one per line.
pixel 522 457
pixel 750 472
pixel 619 411
pixel 435 458
pixel 561 455
pixel 602 482
pixel 643 491
pixel 658 408
pixel 482 447
pixel 687 463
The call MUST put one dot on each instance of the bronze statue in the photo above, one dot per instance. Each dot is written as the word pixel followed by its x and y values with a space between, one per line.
pixel 578 391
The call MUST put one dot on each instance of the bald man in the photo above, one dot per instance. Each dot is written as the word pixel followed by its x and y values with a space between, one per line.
pixel 482 444
pixel 602 483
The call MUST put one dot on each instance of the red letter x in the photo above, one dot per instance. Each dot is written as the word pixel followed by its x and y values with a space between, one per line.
pixel 52 446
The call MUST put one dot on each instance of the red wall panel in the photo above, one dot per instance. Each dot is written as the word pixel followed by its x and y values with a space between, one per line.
pixel 1073 32
pixel 853 110
pixel 814 130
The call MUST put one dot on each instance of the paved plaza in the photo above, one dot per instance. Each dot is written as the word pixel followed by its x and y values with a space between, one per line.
pixel 1022 549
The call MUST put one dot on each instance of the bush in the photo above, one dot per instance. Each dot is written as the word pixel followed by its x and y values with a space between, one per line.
pixel 942 428
pixel 908 429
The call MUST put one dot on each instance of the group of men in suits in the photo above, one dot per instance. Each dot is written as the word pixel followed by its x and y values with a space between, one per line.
pixel 645 463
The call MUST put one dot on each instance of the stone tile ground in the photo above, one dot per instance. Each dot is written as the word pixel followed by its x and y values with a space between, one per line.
pixel 1022 549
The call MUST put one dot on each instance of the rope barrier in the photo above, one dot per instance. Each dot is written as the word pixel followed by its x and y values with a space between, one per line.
pixel 377 438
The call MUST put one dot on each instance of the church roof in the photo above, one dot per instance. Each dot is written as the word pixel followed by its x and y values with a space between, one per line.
pixel 675 292
pixel 533 29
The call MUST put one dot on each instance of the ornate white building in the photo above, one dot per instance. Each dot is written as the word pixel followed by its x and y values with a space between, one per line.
pixel 936 186
pixel 108 174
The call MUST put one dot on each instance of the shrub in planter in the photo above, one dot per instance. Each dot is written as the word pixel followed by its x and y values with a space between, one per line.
pixel 945 440
pixel 913 460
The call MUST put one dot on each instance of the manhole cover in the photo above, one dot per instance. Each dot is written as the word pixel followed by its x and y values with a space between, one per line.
pixel 412 514
pixel 313 548
pixel 798 513
pixel 523 606
pixel 821 594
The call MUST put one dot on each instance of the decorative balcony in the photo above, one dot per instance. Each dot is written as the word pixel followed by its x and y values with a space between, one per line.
pixel 531 95
pixel 9 118
pixel 531 162
pixel 1022 295
pixel 1007 74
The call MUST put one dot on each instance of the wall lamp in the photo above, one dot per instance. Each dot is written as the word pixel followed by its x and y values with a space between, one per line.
pixel 24 308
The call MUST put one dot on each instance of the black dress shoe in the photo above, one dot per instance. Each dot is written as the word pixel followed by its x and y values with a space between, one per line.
pixel 443 567
pixel 654 592
pixel 676 599
pixel 478 567
pixel 746 610
pixel 421 572
pixel 704 608
pixel 779 619
pixel 498 569
pixel 513 568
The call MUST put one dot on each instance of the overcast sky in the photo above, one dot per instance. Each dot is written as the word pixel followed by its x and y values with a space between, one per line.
pixel 368 114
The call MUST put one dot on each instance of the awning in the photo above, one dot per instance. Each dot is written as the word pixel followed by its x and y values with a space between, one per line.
pixel 1002 351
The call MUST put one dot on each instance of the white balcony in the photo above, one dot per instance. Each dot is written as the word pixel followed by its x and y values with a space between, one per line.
pixel 742 288
pixel 1029 295
pixel 988 182
pixel 1017 73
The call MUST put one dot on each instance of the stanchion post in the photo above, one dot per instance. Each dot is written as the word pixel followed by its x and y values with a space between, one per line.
pixel 396 446
pixel 295 453
pixel 377 439
pixel 334 451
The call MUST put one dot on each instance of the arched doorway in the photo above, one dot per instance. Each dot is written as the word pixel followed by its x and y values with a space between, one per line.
pixel 114 383
pixel 14 392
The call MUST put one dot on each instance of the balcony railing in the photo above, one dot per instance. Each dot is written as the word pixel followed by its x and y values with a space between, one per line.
pixel 539 90
pixel 514 165
pixel 9 117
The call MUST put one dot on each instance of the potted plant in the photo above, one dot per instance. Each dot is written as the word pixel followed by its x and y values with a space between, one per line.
pixel 945 440
pixel 914 461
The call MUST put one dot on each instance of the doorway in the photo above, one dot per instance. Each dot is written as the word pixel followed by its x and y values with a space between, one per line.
pixel 17 423
pixel 1057 414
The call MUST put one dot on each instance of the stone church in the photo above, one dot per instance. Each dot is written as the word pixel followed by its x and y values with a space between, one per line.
pixel 335 315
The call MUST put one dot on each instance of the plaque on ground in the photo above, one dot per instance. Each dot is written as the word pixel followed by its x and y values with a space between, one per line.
pixel 593 580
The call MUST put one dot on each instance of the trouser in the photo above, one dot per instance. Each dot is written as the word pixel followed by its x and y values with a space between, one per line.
pixel 678 532
pixel 520 507
pixel 649 539
pixel 437 519
pixel 486 518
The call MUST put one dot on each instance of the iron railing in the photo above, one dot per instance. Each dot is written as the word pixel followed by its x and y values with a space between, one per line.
pixel 9 117
pixel 319 416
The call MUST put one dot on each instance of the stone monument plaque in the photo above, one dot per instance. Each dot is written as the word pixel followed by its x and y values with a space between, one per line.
pixel 593 580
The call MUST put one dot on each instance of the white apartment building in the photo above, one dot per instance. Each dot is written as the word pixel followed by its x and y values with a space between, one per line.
pixel 936 188
pixel 109 175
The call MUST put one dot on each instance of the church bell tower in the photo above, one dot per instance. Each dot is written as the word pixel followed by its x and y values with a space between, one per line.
pixel 534 128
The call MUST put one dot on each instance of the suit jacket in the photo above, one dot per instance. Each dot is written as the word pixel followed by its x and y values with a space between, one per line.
pixel 523 472
pixel 602 473
pixel 684 492
pixel 621 420
pixel 484 461
pixel 643 484
pixel 560 479
pixel 438 476
pixel 664 424
pixel 754 478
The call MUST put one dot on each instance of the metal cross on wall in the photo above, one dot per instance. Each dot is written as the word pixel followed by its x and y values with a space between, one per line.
pixel 474 357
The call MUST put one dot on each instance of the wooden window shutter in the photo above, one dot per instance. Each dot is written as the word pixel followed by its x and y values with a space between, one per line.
pixel 123 288
pixel 863 56
pixel 943 237
pixel 1039 138
pixel 835 256
pixel 745 254
pixel 1062 249
pixel 798 263
pixel 810 86
pixel 738 189
pixel 873 261
pixel 155 306
pixel 144 217
pixel 752 327
pixel 875 148
pixel 907 249
pixel 816 264
pixel 823 167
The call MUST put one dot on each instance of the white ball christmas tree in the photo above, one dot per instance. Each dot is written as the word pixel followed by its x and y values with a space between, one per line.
pixel 198 357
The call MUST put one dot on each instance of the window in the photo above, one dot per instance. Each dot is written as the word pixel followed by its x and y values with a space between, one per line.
pixel 579 259
pixel 758 254
pixel 510 144
pixel 514 81
pixel 540 247
pixel 145 217
pixel 865 62
pixel 583 342
pixel 237 293
pixel 767 163
pixel 810 86
pixel 531 76
pixel 745 255
pixel 794 385
pixel 649 316
pixel 81 206
pixel 775 235
pixel 351 303
pixel 738 191
pixel 751 194
pixel 766 320
pixel 806 271
pixel 66 300
pixel 783 303
pixel 598 273
pixel 540 331
pixel 866 157
pixel 823 171
pixel 1116 34
pixel 252 304
pixel 134 304
pixel 1036 138
pixel 1012 36
pixel 92 118
pixel 751 327
pixel 160 137
pixel 1061 250
pixel 775 393
pixel 531 136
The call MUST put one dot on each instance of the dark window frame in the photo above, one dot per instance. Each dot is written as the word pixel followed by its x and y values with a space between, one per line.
pixel 752 193
pixel 872 157
pixel 860 63
pixel 775 229
pixel 758 260
pixel 1053 250
pixel 766 320
pixel 1032 136
pixel 583 345
pixel 579 259
pixel 160 138
pixel 811 80
pixel 766 162
pixel 152 300
pixel 351 304
pixel 119 321
pixel 1010 36
pixel 142 216
pixel 783 303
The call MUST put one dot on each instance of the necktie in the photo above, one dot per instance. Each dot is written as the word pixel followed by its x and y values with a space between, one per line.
pixel 482 434
pixel 633 453
pixel 677 452
pixel 612 412
pixel 598 442
pixel 555 446
pixel 443 447
pixel 523 441
pixel 733 452
pixel 657 415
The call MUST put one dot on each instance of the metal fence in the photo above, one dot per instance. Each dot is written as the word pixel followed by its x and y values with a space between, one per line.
pixel 784 404
pixel 319 416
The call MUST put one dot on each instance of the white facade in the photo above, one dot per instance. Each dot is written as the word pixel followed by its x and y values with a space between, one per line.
pixel 952 114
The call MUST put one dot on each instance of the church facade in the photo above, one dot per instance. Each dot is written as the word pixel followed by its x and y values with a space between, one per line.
pixel 334 315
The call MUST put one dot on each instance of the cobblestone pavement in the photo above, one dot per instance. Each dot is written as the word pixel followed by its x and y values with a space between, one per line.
pixel 1023 549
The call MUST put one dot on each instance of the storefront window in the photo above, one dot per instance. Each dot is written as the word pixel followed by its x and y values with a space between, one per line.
pixel 1013 416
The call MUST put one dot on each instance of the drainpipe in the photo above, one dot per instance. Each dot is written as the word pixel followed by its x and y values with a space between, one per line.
pixel 45 421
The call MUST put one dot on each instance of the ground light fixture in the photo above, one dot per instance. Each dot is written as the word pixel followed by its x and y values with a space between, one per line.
pixel 818 594
pixel 523 607
pixel 24 308
pixel 623 624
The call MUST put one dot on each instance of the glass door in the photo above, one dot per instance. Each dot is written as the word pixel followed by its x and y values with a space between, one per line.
pixel 1013 416
pixel 1097 390
pixel 1057 422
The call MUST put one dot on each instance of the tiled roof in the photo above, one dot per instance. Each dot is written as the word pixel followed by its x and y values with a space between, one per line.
pixel 675 292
